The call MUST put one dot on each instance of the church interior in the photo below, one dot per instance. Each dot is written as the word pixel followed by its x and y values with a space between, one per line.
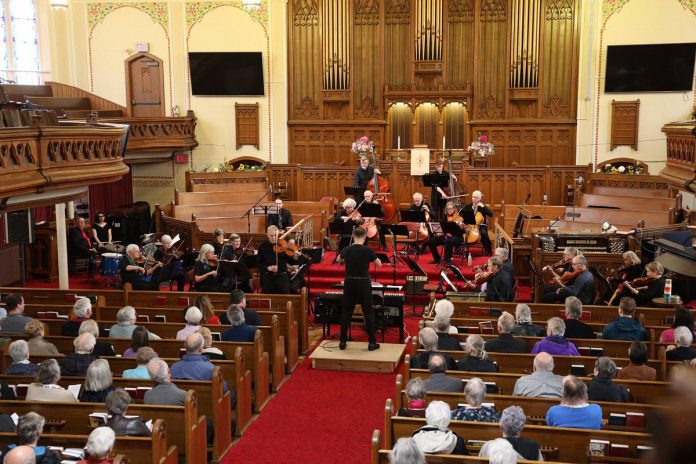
pixel 344 178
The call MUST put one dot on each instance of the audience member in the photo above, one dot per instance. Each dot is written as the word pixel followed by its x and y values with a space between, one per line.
pixel 474 410
pixel 142 358
pixel 443 308
pixel 46 387
pixel 193 319
pixel 602 388
pixel 194 365
pixel 206 306
pixel 125 318
pixel 682 317
pixel 239 332
pixel 444 340
pixel 683 337
pixel 505 342
pixel 499 451
pixel 512 422
pixel 636 369
pixel 476 359
pixel 76 364
pixel 98 382
pixel 542 382
pixel 439 381
pixel 237 297
pixel 625 327
pixel 415 393
pixel 208 349
pixel 99 446
pixel 37 345
pixel 29 430
pixel 574 410
pixel 139 338
pixel 164 392
pixel 435 437
pixel 81 311
pixel 19 352
pixel 117 403
pixel 428 340
pixel 101 348
pixel 555 342
pixel 574 327
pixel 15 321
pixel 20 455
pixel 406 451
pixel 524 325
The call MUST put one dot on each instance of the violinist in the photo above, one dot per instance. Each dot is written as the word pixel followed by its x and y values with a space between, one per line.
pixel 171 260
pixel 580 284
pixel 273 264
pixel 294 263
pixel 644 289
pixel 206 271
pixel 347 215
pixel 220 248
pixel 500 285
pixel 502 254
pixel 566 262
pixel 450 241
pixel 477 206
pixel 282 219
pixel 632 268
pixel 141 273
pixel 438 197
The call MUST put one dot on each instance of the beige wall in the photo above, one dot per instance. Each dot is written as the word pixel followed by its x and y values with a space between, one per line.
pixel 621 22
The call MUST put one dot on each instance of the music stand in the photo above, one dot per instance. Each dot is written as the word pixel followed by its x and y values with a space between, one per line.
pixel 408 215
pixel 371 210
pixel 394 230
pixel 316 255
pixel 240 271
pixel 355 192
pixel 435 179
pixel 343 230
pixel 416 271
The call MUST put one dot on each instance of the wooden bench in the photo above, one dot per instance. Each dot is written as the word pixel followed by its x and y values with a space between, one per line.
pixel 625 218
pixel 628 192
pixel 622 202
pixel 62 103
pixel 249 196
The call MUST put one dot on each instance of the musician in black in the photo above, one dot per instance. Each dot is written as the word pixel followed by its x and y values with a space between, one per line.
pixel 581 286
pixel 206 271
pixel 477 206
pixel 438 196
pixel 273 265
pixel 136 270
pixel 420 205
pixel 364 174
pixel 243 256
pixel 500 287
pixel 370 198
pixel 101 232
pixel 81 245
pixel 451 242
pixel 653 287
pixel 283 219
pixel 358 287
pixel 347 215
pixel 172 265
pixel 502 254
pixel 219 244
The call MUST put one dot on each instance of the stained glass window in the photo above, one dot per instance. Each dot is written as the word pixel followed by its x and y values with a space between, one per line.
pixel 19 47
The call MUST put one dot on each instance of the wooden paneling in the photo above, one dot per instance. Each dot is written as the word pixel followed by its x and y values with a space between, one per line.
pixel 680 171
pixel 491 78
pixel 327 142
pixel 96 102
pixel 246 119
pixel 624 123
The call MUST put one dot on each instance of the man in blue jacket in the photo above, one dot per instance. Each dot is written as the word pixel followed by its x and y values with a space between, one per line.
pixel 194 365
pixel 239 332
pixel 625 327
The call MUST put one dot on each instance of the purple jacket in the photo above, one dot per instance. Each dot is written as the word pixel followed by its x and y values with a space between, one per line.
pixel 555 344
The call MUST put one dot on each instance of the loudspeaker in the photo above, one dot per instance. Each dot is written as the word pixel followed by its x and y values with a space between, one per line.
pixel 19 228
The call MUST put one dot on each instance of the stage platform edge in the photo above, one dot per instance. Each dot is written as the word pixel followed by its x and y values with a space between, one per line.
pixel 356 358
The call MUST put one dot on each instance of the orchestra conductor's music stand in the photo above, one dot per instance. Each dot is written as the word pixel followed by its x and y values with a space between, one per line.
pixel 235 269
pixel 416 271
pixel 344 230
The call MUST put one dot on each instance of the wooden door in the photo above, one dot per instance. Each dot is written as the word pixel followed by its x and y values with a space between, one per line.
pixel 145 86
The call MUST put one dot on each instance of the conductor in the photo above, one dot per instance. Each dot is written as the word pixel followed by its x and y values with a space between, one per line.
pixel 358 287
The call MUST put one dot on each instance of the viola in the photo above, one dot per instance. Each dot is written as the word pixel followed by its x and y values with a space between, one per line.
pixel 570 276
pixel 619 274
pixel 480 278
pixel 456 218
pixel 560 265
pixel 637 282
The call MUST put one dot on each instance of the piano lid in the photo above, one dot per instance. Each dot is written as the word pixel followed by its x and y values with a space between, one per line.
pixel 677 258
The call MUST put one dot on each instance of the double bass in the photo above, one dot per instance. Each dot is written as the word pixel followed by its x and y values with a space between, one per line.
pixel 380 187
pixel 454 188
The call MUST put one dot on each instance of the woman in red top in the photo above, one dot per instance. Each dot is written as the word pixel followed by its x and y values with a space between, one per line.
pixel 203 303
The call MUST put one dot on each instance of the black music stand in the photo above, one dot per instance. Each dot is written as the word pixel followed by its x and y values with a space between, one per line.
pixel 355 192
pixel 316 255
pixel 416 271
pixel 342 229
pixel 394 230
pixel 436 180
pixel 235 269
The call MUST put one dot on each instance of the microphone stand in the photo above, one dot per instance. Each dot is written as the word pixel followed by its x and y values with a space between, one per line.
pixel 550 229
pixel 248 213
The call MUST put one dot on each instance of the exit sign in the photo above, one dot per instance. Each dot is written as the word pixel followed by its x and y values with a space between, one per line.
pixel 181 158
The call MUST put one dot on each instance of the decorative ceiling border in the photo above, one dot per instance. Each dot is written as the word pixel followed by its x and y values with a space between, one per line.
pixel 195 11
pixel 157 11
pixel 689 5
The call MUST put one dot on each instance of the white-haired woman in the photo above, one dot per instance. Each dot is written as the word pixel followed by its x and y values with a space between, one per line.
pixel 524 325
pixel 19 352
pixel 98 382
pixel 444 309
pixel 683 338
pixel 206 271
pixel 476 359
pixel 474 409
pixel 512 422
pixel 193 319
pixel 435 437
pixel 406 451
pixel 173 269
pixel 415 393
pixel 99 446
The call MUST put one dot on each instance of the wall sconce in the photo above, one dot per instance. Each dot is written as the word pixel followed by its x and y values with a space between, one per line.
pixel 58 4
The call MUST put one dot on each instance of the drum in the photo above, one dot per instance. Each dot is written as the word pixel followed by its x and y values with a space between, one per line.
pixel 111 264
pixel 115 248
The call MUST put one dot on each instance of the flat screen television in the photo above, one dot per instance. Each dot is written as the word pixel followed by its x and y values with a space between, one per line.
pixel 226 73
pixel 650 68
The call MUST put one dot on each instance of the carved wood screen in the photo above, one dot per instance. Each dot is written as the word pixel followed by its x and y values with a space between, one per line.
pixel 624 123
pixel 247 124
pixel 361 66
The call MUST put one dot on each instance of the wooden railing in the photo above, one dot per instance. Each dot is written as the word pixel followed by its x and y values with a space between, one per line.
pixel 160 134
pixel 680 171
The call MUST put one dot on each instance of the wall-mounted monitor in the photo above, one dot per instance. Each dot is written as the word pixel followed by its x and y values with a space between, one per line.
pixel 650 68
pixel 226 73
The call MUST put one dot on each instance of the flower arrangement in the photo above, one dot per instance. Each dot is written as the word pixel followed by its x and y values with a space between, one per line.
pixel 623 168
pixel 481 147
pixel 232 166
pixel 363 146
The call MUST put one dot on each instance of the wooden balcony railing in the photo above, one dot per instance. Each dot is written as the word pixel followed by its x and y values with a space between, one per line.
pixel 681 155
pixel 162 134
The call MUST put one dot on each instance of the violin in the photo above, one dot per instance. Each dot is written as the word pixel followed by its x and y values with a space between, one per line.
pixel 619 274
pixel 554 267
pixel 355 216
pixel 637 282
pixel 480 278
pixel 289 249
pixel 570 276
pixel 214 261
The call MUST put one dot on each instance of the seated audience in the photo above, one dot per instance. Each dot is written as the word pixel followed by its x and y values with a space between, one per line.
pixel 117 403
pixel 574 327
pixel 29 430
pixel 239 332
pixel 139 339
pixel 555 342
pixel 20 455
pixel 602 388
pixel 125 318
pixel 443 308
pixel 474 410
pixel 46 387
pixel 415 393
pixel 505 342
pixel 76 364
pixel 476 359
pixel 444 340
pixel 194 365
pixel 499 451
pixel 142 358
pixel 625 327
pixel 164 392
pixel 542 382
pixel 15 320
pixel 237 297
pixel 98 382
pixel 435 437
pixel 81 311
pixel 683 337
pixel 19 352
pixel 512 422
pixel 208 349
pixel 193 319
pixel 206 306
pixel 439 381
pixel 682 317
pixel 100 348
pixel 524 325
pixel 99 446
pixel 428 340
pixel 636 369
pixel 406 451
pixel 574 411
pixel 37 345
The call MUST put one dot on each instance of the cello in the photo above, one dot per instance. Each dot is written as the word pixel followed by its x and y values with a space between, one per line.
pixel 380 187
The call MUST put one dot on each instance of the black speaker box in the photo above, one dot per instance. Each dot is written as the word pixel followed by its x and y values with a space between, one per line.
pixel 19 227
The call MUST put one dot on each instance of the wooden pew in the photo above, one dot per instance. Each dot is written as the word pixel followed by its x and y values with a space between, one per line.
pixel 572 443
pixel 623 202
pixel 624 217
pixel 249 196
pixel 139 450
pixel 628 192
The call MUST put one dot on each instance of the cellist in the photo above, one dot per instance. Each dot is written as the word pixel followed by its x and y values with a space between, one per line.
pixel 477 206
